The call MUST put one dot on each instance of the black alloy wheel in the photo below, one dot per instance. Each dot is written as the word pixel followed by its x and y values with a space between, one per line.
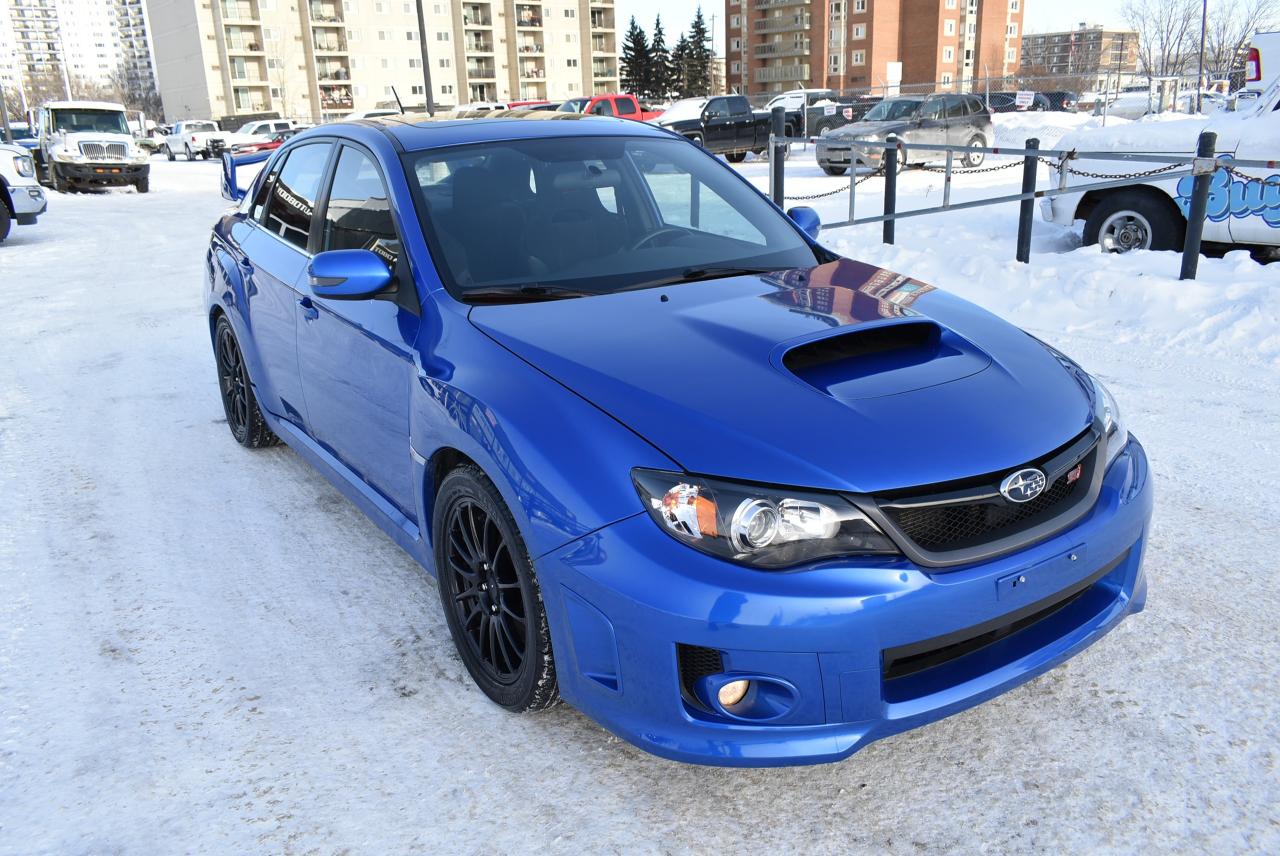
pixel 490 594
pixel 245 420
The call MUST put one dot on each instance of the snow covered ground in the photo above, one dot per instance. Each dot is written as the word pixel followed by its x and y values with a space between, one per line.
pixel 204 649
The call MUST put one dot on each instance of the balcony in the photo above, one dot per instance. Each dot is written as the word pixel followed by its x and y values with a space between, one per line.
pixel 529 46
pixel 243 46
pixel 602 19
pixel 603 69
pixel 333 70
pixel 330 45
pixel 476 16
pixel 778 4
pixel 326 13
pixel 782 24
pixel 239 10
pixel 602 45
pixel 481 71
pixel 335 98
pixel 782 74
pixel 532 69
pixel 777 49
pixel 250 101
pixel 528 16
pixel 478 43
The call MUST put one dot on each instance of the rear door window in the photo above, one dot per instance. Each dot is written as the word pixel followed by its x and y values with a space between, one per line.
pixel 739 106
pixel 957 107
pixel 626 107
pixel 293 195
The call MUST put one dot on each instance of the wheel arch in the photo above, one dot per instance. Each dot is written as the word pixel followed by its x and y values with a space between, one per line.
pixel 1092 198
pixel 5 198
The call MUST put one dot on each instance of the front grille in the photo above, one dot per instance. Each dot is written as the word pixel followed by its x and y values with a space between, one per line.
pixel 104 151
pixel 953 527
pixel 948 522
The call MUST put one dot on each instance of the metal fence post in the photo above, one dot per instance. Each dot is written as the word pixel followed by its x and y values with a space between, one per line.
pixel 1199 204
pixel 777 144
pixel 890 164
pixel 1026 211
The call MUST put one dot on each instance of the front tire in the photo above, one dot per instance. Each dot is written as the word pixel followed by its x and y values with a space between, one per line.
pixel 735 157
pixel 142 185
pixel 1126 221
pixel 168 152
pixel 490 594
pixel 835 170
pixel 186 151
pixel 6 222
pixel 60 183
pixel 244 417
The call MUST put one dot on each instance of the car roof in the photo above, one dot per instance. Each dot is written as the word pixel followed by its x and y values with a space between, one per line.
pixel 417 131
pixel 84 105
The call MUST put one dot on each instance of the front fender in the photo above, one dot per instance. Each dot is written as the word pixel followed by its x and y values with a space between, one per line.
pixel 562 465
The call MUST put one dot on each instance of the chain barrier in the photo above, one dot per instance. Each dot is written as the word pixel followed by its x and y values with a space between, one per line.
pixel 973 170
pixel 1056 165
pixel 843 188
pixel 1268 182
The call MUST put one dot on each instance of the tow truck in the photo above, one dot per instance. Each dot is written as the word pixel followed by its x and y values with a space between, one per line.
pixel 88 144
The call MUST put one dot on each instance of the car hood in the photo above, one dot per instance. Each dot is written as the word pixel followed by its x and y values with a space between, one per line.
pixel 842 376
pixel 855 130
pixel 73 140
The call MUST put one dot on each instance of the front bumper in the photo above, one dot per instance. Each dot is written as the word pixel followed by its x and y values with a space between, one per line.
pixel 29 202
pixel 104 174
pixel 846 155
pixel 833 639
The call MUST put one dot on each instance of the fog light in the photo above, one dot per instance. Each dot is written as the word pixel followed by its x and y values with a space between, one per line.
pixel 733 692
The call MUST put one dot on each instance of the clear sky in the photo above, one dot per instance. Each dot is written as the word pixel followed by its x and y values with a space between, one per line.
pixel 1041 15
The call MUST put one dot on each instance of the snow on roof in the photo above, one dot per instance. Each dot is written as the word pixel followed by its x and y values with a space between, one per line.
pixel 84 105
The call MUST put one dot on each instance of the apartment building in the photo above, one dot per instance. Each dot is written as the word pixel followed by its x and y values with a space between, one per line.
pixel 73 48
pixel 775 45
pixel 317 60
pixel 1090 53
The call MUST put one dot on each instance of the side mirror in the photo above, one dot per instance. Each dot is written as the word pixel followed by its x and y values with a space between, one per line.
pixel 348 274
pixel 807 219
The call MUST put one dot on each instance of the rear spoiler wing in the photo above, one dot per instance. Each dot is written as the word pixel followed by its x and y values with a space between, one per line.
pixel 231 190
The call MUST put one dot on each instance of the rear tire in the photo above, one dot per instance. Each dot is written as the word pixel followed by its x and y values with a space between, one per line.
pixel 6 222
pixel 168 152
pixel 735 157
pixel 1127 220
pixel 244 417
pixel 490 594
pixel 835 170
pixel 974 159
pixel 186 151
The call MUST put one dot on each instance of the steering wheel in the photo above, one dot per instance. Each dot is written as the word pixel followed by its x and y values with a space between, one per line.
pixel 664 230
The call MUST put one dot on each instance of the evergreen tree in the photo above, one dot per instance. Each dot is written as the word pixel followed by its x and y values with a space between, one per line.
pixel 680 68
pixel 636 61
pixel 698 56
pixel 660 84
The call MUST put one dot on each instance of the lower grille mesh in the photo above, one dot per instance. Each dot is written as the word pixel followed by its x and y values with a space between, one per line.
pixel 697 662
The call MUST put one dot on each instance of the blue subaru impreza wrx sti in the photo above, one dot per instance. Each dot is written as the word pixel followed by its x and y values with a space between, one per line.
pixel 737 498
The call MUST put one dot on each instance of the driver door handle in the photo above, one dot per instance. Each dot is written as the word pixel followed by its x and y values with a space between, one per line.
pixel 309 310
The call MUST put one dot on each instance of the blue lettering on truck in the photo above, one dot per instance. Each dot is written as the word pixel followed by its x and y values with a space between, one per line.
pixel 1234 197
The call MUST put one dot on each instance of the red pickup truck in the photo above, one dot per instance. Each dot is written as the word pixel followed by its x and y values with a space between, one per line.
pixel 626 106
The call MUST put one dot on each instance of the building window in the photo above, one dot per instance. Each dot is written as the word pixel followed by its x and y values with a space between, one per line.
pixel 859 58
pixel 269 34
pixel 951 4
pixel 735 67
pixel 570 13
pixel 416 90
pixel 948 54
pixel 1010 55
pixel 411 36
pixel 383 35
pixel 386 63
pixel 572 63
pixel 736 45
pixel 946 77
pixel 735 20
pixel 415 63
pixel 442 37
pixel 835 64
pixel 859 32
pixel 445 62
pixel 1012 30
pixel 1014 5
pixel 859 5
pixel 949 27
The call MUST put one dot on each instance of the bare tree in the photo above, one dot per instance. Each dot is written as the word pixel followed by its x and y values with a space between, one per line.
pixel 1232 24
pixel 1168 34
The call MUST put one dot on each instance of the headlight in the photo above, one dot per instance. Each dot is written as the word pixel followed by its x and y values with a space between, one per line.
pixel 1108 412
pixel 759 526
pixel 66 156
pixel 24 165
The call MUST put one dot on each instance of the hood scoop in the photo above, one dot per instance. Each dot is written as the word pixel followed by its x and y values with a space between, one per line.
pixel 884 359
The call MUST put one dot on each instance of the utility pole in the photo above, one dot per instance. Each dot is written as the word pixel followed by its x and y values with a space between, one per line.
pixel 426 61
pixel 1204 30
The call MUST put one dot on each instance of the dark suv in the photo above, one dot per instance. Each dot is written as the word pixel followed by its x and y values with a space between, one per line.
pixel 959 120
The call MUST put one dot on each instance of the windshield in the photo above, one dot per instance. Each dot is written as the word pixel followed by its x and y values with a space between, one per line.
pixel 79 121
pixel 200 127
pixel 689 108
pixel 593 215
pixel 574 105
pixel 892 109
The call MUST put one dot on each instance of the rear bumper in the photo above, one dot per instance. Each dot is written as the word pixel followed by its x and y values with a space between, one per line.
pixel 104 174
pixel 855 650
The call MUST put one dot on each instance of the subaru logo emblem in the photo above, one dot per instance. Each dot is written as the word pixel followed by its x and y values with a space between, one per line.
pixel 1023 486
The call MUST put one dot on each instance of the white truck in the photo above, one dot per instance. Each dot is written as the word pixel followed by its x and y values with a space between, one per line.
pixel 1244 207
pixel 88 144
pixel 22 198
pixel 203 138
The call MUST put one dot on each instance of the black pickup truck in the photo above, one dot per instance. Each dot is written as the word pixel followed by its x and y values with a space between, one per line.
pixel 725 125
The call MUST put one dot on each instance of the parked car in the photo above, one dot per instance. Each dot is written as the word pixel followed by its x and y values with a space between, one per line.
pixel 724 125
pixel 22 199
pixel 370 114
pixel 958 120
pixel 276 141
pixel 634 418
pixel 1062 100
pixel 623 106
pixel 1153 215
pixel 1262 62
pixel 1007 102
pixel 24 135
pixel 194 138
pixel 819 111
pixel 89 144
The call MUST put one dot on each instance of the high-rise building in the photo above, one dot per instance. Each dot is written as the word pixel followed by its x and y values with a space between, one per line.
pixel 74 48
pixel 1091 54
pixel 316 60
pixel 775 45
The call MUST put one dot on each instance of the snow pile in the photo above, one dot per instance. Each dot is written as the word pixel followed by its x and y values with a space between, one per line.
pixel 1014 129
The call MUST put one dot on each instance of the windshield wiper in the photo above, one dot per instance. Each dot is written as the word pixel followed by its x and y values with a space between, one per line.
pixel 524 294
pixel 700 274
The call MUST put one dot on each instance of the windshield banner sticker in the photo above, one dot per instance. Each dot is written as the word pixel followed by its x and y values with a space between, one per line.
pixel 1230 197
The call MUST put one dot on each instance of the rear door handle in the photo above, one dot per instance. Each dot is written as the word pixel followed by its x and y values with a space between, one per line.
pixel 309 311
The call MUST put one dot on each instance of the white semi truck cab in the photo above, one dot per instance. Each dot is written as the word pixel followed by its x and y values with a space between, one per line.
pixel 89 144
